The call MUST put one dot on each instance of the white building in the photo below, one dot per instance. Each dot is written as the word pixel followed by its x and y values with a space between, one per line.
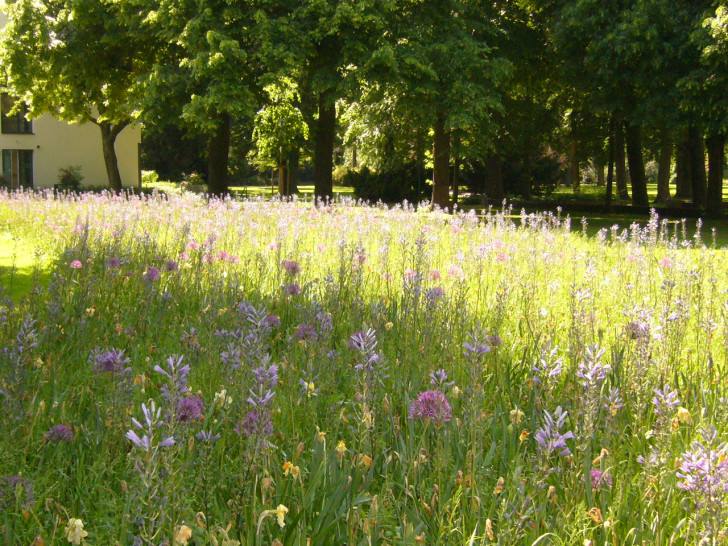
pixel 34 151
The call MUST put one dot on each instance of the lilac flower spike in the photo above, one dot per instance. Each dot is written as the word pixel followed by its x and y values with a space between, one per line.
pixel 664 400
pixel 549 437
pixel 152 420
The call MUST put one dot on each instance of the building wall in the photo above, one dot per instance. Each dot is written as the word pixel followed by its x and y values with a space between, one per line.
pixel 57 145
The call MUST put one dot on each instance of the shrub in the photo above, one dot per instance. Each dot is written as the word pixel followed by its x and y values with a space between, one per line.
pixel 70 178
pixel 391 186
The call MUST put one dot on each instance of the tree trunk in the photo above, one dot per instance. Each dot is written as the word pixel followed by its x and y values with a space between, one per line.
pixel 620 169
pixel 420 144
pixel 441 164
pixel 574 175
pixel 218 157
pixel 697 165
pixel 456 172
pixel 716 165
pixel 610 165
pixel 324 148
pixel 633 138
pixel 663 170
pixel 494 178
pixel 282 180
pixel 683 183
pixel 354 158
pixel 109 132
pixel 292 173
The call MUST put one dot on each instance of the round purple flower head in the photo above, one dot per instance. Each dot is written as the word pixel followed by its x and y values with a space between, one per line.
pixel 190 409
pixel 113 263
pixel 272 321
pixel 432 405
pixel 600 479
pixel 152 274
pixel 59 433
pixel 292 267
pixel 292 289
pixel 111 361
pixel 171 265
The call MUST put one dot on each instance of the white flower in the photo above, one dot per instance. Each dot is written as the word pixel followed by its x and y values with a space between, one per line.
pixel 74 531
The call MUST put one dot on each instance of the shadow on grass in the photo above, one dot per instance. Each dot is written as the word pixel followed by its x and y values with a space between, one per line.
pixel 19 282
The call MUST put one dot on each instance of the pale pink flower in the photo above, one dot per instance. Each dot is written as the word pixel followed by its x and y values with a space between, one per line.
pixel 502 257
pixel 75 264
pixel 666 263
pixel 320 247
pixel 435 275
pixel 456 272
pixel 193 245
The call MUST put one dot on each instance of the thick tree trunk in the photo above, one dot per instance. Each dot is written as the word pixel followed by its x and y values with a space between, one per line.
pixel 633 138
pixel 441 164
pixel 697 165
pixel 324 149
pixel 716 165
pixel 292 172
pixel 664 166
pixel 620 167
pixel 683 182
pixel 494 178
pixel 109 132
pixel 218 157
pixel 282 180
pixel 574 174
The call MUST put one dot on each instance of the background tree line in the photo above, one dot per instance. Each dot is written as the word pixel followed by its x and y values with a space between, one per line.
pixel 501 96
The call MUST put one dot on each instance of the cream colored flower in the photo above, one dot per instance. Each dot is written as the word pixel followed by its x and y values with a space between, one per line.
pixel 683 415
pixel 182 535
pixel 280 513
pixel 74 531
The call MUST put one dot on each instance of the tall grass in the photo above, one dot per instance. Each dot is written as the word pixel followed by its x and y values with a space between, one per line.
pixel 259 371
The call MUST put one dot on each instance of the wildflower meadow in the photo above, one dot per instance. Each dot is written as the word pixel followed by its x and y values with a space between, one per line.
pixel 185 371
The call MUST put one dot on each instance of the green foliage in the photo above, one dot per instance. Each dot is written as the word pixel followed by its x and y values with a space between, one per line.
pixel 392 185
pixel 279 125
pixel 69 178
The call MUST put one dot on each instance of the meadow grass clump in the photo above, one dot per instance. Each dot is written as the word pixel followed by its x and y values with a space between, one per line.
pixel 244 372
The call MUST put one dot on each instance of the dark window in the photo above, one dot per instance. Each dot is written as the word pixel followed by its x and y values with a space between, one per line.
pixel 18 168
pixel 14 123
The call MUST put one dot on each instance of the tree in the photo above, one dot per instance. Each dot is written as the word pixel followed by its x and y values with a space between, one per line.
pixel 445 65
pixel 279 126
pixel 79 61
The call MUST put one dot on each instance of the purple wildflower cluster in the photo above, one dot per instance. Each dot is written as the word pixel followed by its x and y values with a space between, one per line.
pixel 110 361
pixel 704 476
pixel 59 433
pixel 549 437
pixel 431 405
pixel 152 423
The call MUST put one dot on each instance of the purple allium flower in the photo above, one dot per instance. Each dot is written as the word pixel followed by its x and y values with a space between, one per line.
pixel 272 321
pixel 494 340
pixel 432 405
pixel 15 489
pixel 306 332
pixel 151 274
pixel 111 361
pixel 59 433
pixel 292 267
pixel 600 479
pixel 190 409
pixel 113 263
pixel 255 424
pixel 549 437
pixel 664 400
pixel 292 289
pixel 171 265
